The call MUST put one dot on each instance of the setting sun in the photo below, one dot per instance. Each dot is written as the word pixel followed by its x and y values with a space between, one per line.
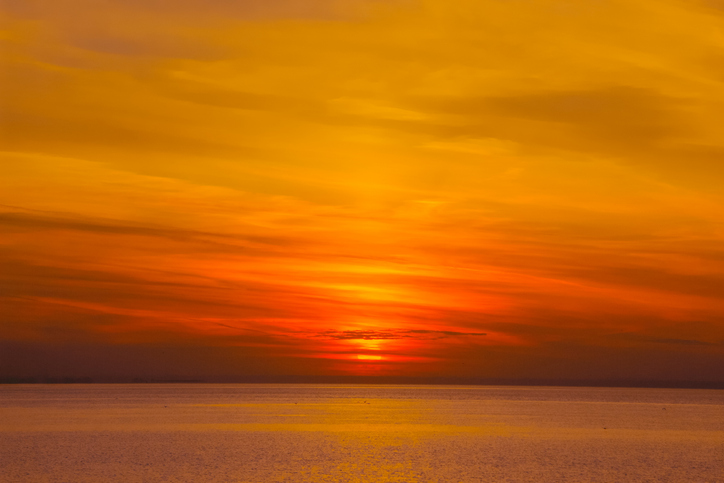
pixel 366 357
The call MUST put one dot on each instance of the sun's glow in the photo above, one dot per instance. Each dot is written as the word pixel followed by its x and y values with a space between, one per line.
pixel 368 344
pixel 368 357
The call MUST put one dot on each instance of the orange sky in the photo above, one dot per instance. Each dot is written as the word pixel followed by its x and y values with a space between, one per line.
pixel 435 188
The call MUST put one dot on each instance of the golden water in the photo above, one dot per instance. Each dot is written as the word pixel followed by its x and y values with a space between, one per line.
pixel 350 433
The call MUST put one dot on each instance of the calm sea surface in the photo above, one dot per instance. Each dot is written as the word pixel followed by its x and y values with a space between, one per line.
pixel 356 433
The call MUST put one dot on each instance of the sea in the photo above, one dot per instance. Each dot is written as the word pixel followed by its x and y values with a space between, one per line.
pixel 358 433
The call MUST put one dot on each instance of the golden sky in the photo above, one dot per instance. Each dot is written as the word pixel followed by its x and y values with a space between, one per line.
pixel 447 188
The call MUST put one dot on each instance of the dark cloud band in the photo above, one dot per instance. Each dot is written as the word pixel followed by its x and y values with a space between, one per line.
pixel 391 334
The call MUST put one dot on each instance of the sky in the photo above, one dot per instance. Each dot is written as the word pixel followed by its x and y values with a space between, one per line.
pixel 520 189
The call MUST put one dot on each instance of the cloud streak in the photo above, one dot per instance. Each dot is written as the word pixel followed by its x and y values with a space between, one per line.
pixel 418 334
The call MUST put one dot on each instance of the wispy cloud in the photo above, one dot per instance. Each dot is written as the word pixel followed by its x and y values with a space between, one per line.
pixel 418 334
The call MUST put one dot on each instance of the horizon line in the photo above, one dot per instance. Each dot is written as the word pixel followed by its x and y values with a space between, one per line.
pixel 383 380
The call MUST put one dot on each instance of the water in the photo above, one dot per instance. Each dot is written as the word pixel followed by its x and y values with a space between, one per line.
pixel 357 433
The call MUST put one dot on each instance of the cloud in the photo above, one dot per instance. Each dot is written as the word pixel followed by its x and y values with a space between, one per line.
pixel 653 339
pixel 25 221
pixel 679 341
pixel 418 334
pixel 72 12
pixel 613 119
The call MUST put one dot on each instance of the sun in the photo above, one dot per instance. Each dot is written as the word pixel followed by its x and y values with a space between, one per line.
pixel 368 357
pixel 367 348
